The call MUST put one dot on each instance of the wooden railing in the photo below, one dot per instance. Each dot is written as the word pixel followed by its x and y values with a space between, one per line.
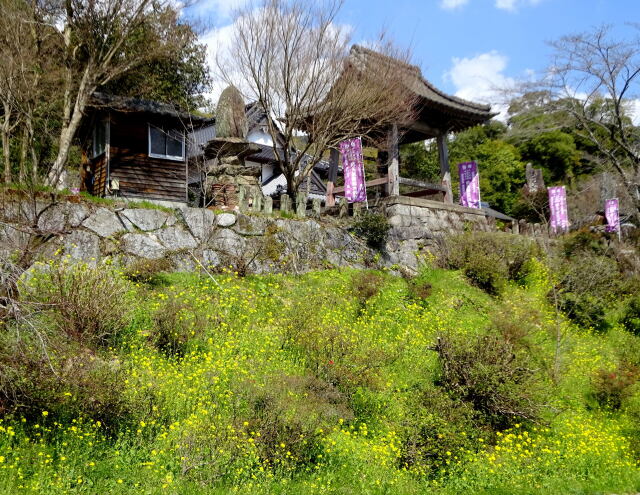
pixel 426 188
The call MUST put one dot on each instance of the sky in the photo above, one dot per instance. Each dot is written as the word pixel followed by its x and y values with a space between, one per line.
pixel 469 48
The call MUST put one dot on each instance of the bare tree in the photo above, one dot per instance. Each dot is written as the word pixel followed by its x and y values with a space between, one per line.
pixel 595 78
pixel 28 55
pixel 292 58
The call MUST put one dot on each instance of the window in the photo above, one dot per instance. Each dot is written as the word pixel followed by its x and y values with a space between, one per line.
pixel 100 138
pixel 167 144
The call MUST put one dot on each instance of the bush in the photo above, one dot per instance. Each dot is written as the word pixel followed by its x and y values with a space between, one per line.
pixel 631 318
pixel 611 388
pixel 366 285
pixel 291 411
pixel 374 228
pixel 175 323
pixel 418 289
pixel 584 241
pixel 493 376
pixel 90 305
pixel 433 429
pixel 587 287
pixel 63 379
pixel 488 260
pixel 146 271
pixel 329 352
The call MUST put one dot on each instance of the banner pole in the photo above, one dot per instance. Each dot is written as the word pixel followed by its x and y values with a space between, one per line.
pixel 364 178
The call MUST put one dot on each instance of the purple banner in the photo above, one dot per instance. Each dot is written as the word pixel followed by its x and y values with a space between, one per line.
pixel 558 206
pixel 353 168
pixel 612 214
pixel 469 184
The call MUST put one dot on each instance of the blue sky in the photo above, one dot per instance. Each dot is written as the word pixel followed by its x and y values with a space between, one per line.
pixel 465 47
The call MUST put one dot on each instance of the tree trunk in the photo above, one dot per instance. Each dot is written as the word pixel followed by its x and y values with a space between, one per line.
pixel 68 131
pixel 6 143
pixel 6 153
pixel 292 186
pixel 22 174
pixel 34 156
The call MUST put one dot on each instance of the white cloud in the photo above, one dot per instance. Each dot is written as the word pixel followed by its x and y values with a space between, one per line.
pixel 482 79
pixel 509 5
pixel 218 42
pixel 452 4
pixel 512 5
pixel 220 9
pixel 634 110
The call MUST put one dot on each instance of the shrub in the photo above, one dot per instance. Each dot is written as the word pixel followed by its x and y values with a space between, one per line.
pixel 631 318
pixel 418 289
pixel 374 228
pixel 611 388
pixel 486 273
pixel 366 285
pixel 587 286
pixel 291 411
pixel 63 379
pixel 488 259
pixel 493 376
pixel 433 429
pixel 90 305
pixel 175 323
pixel 146 271
pixel 330 353
pixel 584 241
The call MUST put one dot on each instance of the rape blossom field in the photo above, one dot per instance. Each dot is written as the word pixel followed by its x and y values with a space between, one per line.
pixel 328 382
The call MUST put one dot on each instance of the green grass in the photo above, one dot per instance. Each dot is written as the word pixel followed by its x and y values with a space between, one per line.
pixel 292 385
pixel 148 205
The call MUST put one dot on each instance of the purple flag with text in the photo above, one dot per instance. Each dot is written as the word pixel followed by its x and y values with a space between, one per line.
pixel 612 214
pixel 469 184
pixel 558 206
pixel 353 168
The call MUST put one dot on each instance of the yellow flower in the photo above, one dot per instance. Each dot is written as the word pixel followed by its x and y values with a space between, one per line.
pixel 45 413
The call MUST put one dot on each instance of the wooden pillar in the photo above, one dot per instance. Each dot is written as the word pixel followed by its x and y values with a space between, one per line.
pixel 333 176
pixel 445 171
pixel 393 189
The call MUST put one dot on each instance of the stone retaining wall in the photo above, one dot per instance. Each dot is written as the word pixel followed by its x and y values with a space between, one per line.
pixel 257 242
pixel 417 223
pixel 185 236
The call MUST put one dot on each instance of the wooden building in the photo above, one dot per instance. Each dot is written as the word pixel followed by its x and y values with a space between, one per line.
pixel 437 114
pixel 135 148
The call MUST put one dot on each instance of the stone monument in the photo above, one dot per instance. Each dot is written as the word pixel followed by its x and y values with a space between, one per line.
pixel 535 179
pixel 226 169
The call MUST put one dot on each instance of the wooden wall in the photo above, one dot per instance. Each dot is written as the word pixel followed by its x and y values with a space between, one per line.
pixel 99 171
pixel 141 176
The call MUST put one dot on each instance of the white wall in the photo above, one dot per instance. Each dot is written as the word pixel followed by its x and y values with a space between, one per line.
pixel 260 137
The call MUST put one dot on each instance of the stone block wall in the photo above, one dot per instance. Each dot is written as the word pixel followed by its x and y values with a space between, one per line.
pixel 187 237
pixel 256 241
pixel 417 223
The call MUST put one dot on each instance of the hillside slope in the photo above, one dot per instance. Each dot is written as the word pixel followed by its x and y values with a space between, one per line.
pixel 330 382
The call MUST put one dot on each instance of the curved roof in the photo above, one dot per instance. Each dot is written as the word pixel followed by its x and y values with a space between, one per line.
pixel 439 110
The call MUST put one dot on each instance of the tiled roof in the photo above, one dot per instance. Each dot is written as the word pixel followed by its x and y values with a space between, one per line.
pixel 129 104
